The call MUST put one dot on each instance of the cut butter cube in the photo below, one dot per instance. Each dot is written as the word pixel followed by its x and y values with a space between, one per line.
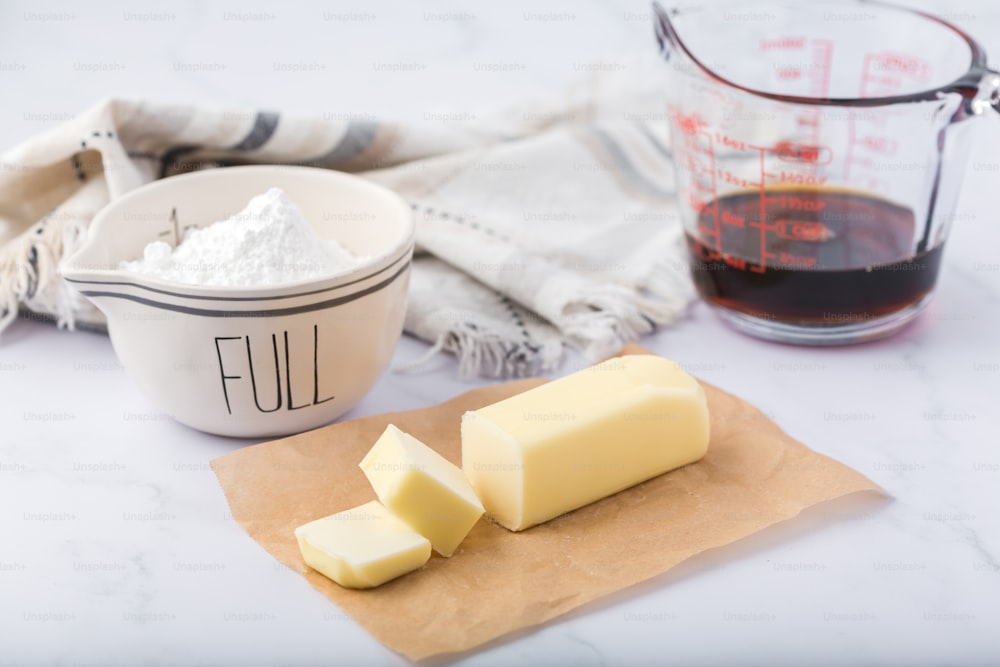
pixel 424 489
pixel 567 443
pixel 362 547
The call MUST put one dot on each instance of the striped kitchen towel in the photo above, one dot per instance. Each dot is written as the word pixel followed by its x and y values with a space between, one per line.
pixel 547 225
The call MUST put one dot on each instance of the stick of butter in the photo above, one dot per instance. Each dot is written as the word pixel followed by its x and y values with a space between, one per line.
pixel 362 547
pixel 567 443
pixel 423 488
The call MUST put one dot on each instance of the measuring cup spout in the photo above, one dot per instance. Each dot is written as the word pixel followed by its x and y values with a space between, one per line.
pixel 666 35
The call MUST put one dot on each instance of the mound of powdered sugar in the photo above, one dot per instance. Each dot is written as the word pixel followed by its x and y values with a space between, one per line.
pixel 267 243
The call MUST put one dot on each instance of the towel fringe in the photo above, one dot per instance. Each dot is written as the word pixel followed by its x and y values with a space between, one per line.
pixel 29 273
pixel 30 278
pixel 489 354
pixel 600 322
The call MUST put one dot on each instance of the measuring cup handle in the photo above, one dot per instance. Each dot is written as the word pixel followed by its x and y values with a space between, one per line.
pixel 987 93
pixel 994 96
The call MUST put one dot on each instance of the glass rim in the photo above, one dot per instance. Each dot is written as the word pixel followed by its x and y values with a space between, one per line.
pixel 966 84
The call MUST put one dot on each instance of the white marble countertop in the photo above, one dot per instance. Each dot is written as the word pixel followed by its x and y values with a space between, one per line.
pixel 115 543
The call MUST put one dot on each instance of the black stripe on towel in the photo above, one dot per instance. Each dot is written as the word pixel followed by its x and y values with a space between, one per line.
pixel 264 125
pixel 359 136
pixel 170 159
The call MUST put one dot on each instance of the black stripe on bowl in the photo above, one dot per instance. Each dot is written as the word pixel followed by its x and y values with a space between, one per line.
pixel 273 312
pixel 199 297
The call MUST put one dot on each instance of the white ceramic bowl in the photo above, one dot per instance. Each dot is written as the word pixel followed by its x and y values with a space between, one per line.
pixel 252 362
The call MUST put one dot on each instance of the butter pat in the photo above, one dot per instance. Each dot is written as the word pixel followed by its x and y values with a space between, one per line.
pixel 567 443
pixel 424 489
pixel 362 547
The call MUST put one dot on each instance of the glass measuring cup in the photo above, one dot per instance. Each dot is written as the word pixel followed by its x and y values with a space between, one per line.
pixel 819 159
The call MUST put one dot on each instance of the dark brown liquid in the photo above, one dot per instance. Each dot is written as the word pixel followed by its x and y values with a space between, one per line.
pixel 827 256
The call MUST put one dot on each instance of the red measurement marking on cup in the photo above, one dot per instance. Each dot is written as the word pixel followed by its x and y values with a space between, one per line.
pixel 730 178
pixel 727 141
pixel 761 223
pixel 883 74
pixel 797 203
pixel 735 262
pixel 819 87
pixel 809 121
pixel 803 230
pixel 728 218
pixel 787 151
pixel 820 71
pixel 696 202
pixel 792 261
pixel 706 189
pixel 689 124
pixel 875 144
pixel 697 150
pixel 899 64
pixel 796 178
pixel 717 232
pixel 782 44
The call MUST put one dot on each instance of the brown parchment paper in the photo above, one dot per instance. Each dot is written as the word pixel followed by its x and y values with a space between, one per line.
pixel 754 475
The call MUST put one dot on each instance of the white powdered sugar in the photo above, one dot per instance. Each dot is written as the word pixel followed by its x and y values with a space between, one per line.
pixel 267 243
